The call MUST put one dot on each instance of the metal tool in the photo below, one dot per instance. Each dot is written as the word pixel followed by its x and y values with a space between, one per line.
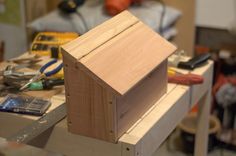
pixel 13 78
pixel 11 70
pixel 29 60
pixel 41 73
pixel 46 84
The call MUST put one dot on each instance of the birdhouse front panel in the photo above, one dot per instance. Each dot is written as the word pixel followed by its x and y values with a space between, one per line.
pixel 113 75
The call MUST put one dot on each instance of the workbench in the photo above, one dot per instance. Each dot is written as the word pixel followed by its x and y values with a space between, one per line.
pixel 142 139
pixel 11 148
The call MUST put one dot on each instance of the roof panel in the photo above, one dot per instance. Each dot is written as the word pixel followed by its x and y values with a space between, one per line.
pixel 128 58
pixel 94 38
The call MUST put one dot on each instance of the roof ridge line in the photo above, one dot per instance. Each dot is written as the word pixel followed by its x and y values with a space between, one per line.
pixel 107 40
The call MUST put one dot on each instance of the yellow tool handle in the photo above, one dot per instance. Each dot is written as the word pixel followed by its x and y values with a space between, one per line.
pixel 171 72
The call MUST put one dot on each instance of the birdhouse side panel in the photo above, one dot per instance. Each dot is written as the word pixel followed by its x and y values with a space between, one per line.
pixel 90 107
pixel 144 95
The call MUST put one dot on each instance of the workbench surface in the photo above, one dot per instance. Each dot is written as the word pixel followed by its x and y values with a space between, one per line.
pixel 143 138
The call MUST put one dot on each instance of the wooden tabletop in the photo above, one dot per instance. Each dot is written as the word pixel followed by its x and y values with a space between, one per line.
pixel 143 137
pixel 14 123
pixel 146 135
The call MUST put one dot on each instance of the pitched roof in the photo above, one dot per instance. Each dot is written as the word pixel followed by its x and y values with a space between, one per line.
pixel 120 52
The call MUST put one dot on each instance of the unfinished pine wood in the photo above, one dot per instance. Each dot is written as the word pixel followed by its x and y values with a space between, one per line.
pixel 199 90
pixel 129 57
pixel 129 50
pixel 69 144
pixel 96 37
pixel 116 67
pixel 134 104
pixel 203 119
pixel 152 129
pixel 203 115
pixel 13 122
pixel 90 107
pixel 140 140
pixel 155 125
pixel 94 111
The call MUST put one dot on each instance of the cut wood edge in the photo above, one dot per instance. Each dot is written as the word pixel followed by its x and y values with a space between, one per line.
pixel 135 132
pixel 106 31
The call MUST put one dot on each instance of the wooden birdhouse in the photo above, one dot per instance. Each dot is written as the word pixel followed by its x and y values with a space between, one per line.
pixel 113 75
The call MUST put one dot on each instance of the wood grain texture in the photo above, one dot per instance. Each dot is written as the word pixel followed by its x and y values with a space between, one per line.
pixel 203 115
pixel 113 74
pixel 200 90
pixel 127 59
pixel 135 103
pixel 96 37
pixel 143 137
pixel 151 130
pixel 203 118
pixel 69 144
pixel 120 52
pixel 12 123
pixel 154 127
pixel 90 107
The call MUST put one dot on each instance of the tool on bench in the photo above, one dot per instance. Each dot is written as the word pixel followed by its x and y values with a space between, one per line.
pixel 29 60
pixel 14 78
pixel 6 89
pixel 176 60
pixel 11 70
pixel 24 104
pixel 42 74
pixel 45 41
pixel 183 79
pixel 195 62
pixel 46 84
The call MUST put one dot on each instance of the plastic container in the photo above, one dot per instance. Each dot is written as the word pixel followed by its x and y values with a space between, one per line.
pixel 188 130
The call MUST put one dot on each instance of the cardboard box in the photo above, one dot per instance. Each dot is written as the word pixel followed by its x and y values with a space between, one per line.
pixel 113 75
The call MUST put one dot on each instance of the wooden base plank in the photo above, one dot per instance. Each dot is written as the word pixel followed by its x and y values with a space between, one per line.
pixel 198 91
pixel 62 141
pixel 146 134
pixel 201 141
pixel 153 129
